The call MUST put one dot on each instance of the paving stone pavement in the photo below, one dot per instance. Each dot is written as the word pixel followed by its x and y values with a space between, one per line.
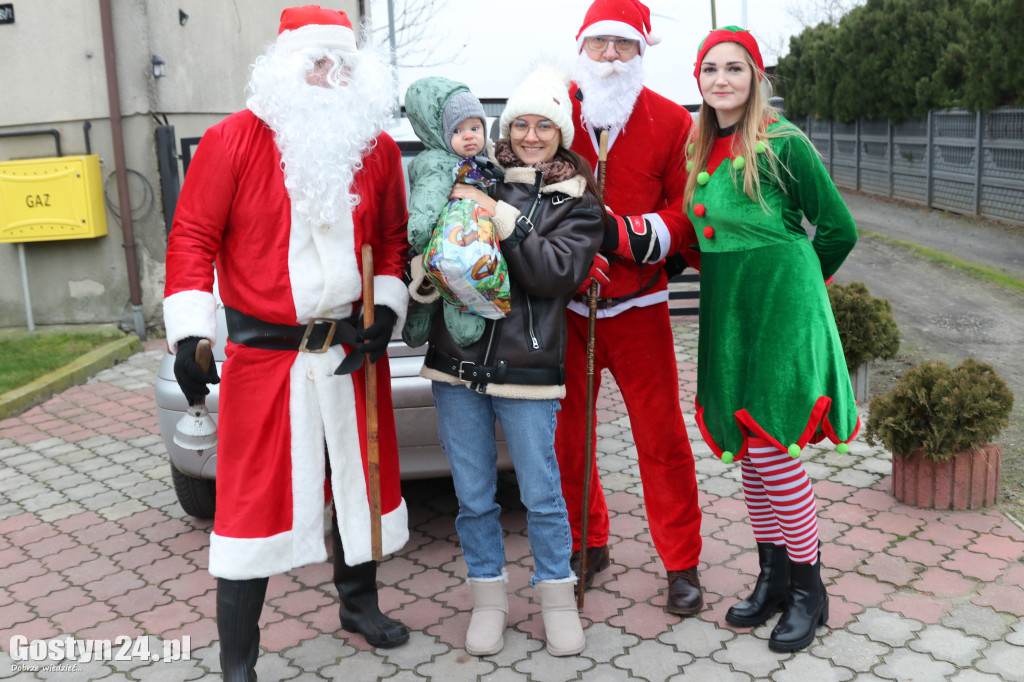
pixel 93 546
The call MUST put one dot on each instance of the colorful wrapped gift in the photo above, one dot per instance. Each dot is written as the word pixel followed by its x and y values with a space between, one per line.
pixel 463 257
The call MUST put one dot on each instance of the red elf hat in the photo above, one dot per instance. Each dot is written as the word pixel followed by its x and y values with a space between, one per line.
pixel 729 34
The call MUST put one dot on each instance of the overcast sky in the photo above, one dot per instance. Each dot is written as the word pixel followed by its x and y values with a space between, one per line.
pixel 503 38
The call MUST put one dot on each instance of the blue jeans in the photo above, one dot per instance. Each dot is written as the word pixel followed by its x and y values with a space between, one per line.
pixel 465 422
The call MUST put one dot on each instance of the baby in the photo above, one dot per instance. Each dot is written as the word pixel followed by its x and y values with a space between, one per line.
pixel 451 123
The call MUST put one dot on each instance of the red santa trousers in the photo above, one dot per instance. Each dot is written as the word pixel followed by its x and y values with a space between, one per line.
pixel 636 346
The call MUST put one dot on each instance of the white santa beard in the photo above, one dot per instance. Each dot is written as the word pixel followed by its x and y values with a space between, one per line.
pixel 608 100
pixel 322 133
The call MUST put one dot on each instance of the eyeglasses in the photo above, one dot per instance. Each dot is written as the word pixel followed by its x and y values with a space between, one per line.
pixel 600 44
pixel 544 130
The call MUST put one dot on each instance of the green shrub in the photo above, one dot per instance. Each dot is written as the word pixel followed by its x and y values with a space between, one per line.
pixel 940 410
pixel 866 324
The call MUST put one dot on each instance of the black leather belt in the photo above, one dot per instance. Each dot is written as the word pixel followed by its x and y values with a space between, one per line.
pixel 494 374
pixel 603 303
pixel 315 337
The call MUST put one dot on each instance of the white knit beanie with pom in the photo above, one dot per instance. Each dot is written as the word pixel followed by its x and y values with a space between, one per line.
pixel 545 92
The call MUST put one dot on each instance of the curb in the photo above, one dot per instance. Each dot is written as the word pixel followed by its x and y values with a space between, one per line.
pixel 45 387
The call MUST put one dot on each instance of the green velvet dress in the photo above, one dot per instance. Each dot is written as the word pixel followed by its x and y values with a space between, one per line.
pixel 770 362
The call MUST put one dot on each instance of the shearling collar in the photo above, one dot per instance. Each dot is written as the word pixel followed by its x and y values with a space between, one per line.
pixel 574 186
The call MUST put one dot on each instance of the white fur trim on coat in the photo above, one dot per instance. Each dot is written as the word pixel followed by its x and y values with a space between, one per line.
pixel 248 558
pixel 322 268
pixel 322 410
pixel 190 313
pixel 664 237
pixel 392 292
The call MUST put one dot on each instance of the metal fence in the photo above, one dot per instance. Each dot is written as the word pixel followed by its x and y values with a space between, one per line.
pixel 970 163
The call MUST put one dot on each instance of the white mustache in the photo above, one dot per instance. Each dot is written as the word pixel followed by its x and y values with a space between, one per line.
pixel 605 69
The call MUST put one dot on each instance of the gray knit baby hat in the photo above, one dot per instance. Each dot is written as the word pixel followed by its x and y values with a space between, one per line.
pixel 458 108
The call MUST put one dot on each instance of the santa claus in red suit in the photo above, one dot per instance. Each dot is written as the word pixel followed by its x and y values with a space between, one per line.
pixel 644 180
pixel 281 197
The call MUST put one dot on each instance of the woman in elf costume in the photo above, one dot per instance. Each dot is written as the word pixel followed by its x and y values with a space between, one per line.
pixel 771 373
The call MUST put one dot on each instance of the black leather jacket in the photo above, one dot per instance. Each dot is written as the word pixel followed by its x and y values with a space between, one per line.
pixel 549 236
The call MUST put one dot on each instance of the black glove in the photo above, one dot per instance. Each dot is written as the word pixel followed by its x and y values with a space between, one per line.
pixel 377 336
pixel 191 378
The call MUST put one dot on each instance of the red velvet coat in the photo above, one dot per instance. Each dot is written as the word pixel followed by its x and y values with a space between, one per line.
pixel 279 408
pixel 645 175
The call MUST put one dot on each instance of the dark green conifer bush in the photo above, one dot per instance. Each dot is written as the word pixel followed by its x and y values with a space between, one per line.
pixel 866 324
pixel 940 411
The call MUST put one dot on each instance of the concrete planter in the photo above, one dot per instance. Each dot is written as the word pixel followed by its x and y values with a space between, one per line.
pixel 861 380
pixel 968 481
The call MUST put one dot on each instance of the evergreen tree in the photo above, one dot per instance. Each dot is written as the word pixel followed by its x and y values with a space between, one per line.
pixel 901 58
pixel 805 76
pixel 992 60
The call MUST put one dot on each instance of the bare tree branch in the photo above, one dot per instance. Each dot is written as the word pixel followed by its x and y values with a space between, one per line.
pixel 419 39
pixel 813 12
pixel 773 46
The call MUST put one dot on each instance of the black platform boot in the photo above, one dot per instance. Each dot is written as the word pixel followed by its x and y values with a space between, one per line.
pixel 806 609
pixel 239 603
pixel 360 612
pixel 770 590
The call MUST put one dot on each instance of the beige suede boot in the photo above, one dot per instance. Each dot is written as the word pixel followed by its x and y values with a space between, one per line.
pixel 562 626
pixel 486 633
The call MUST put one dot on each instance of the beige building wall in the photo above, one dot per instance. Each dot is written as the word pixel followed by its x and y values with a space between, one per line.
pixel 53 77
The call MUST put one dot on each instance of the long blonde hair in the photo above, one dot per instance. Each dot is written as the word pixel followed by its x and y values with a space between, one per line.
pixel 752 129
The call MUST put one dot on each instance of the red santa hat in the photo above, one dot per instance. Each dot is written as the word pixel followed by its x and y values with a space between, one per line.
pixel 314 26
pixel 729 34
pixel 622 18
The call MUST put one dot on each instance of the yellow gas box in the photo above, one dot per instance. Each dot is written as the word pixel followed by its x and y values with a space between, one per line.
pixel 50 199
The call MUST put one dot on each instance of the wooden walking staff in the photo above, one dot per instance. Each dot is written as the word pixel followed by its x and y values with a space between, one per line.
pixel 602 158
pixel 372 438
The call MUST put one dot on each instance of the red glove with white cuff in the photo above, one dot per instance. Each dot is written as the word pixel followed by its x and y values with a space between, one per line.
pixel 632 237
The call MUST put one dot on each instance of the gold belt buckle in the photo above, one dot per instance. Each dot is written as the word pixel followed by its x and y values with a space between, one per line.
pixel 309 330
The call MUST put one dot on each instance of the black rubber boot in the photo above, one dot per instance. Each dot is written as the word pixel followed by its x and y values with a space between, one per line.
pixel 359 611
pixel 806 609
pixel 239 603
pixel 770 590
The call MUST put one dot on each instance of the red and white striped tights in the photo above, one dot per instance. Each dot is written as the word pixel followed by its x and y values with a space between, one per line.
pixel 780 500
